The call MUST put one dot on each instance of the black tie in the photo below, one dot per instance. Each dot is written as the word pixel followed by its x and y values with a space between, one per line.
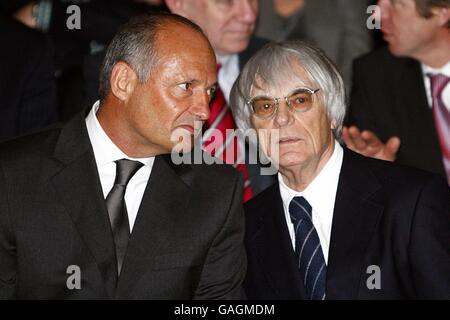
pixel 117 209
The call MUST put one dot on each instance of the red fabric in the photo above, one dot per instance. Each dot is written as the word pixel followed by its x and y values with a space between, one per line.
pixel 212 145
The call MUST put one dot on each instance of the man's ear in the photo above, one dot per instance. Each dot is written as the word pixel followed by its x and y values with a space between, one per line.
pixel 333 124
pixel 442 14
pixel 176 6
pixel 123 81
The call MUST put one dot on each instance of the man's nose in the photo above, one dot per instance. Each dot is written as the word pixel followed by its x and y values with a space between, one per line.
pixel 247 10
pixel 200 107
pixel 283 115
pixel 384 6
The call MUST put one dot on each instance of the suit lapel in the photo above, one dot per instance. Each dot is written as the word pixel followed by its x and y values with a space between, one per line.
pixel 274 249
pixel 356 213
pixel 161 210
pixel 412 95
pixel 78 186
pixel 413 113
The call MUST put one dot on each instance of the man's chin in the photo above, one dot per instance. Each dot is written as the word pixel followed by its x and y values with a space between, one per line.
pixel 397 51
pixel 236 47
pixel 181 149
pixel 183 140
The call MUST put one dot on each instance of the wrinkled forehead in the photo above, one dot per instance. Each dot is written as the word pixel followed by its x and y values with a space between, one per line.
pixel 278 78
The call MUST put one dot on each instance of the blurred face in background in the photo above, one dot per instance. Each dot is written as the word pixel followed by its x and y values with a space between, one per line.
pixel 229 24
pixel 405 30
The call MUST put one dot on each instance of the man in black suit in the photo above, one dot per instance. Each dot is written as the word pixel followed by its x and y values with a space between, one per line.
pixel 70 197
pixel 337 225
pixel 229 26
pixel 27 84
pixel 396 96
pixel 78 52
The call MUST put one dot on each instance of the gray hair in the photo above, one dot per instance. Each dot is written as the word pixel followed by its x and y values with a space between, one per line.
pixel 273 64
pixel 136 44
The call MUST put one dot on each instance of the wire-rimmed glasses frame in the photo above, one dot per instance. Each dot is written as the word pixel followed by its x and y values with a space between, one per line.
pixel 265 106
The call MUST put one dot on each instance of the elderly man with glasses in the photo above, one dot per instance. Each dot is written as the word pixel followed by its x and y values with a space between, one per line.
pixel 337 225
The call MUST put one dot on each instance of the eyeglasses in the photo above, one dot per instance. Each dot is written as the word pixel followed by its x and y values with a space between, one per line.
pixel 299 100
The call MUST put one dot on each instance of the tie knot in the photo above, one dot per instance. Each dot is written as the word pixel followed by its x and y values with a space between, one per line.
pixel 300 209
pixel 125 170
pixel 438 83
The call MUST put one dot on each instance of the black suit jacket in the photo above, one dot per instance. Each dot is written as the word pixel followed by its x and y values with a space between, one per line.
pixel 389 98
pixel 254 45
pixel 27 84
pixel 187 241
pixel 386 215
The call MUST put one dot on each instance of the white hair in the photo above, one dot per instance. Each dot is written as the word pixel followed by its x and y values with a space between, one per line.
pixel 274 63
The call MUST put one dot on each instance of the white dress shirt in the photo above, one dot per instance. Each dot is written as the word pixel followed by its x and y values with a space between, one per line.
pixel 106 152
pixel 445 70
pixel 321 195
pixel 228 73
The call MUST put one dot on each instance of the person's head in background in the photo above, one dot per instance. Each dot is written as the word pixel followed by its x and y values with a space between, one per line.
pixel 228 24
pixel 156 83
pixel 418 29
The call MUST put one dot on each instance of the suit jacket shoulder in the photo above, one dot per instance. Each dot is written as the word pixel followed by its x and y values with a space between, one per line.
pixel 389 98
pixel 255 44
pixel 387 215
pixel 399 217
pixel 381 56
pixel 187 241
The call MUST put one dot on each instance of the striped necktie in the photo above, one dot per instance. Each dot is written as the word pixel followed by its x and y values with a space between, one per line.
pixel 441 117
pixel 221 119
pixel 308 251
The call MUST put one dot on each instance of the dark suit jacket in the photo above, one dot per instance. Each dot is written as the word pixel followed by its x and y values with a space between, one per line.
pixel 254 45
pixel 27 84
pixel 187 241
pixel 389 98
pixel 386 215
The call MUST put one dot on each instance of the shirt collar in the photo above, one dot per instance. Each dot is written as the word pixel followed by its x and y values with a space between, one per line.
pixel 105 151
pixel 321 192
pixel 225 59
pixel 445 70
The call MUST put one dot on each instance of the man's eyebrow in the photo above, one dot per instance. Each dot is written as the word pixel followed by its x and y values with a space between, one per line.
pixel 215 85
pixel 195 81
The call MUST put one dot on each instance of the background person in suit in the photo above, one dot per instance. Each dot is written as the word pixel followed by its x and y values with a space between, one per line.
pixel 72 196
pixel 27 84
pixel 338 27
pixel 401 96
pixel 334 215
pixel 78 53
pixel 229 26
